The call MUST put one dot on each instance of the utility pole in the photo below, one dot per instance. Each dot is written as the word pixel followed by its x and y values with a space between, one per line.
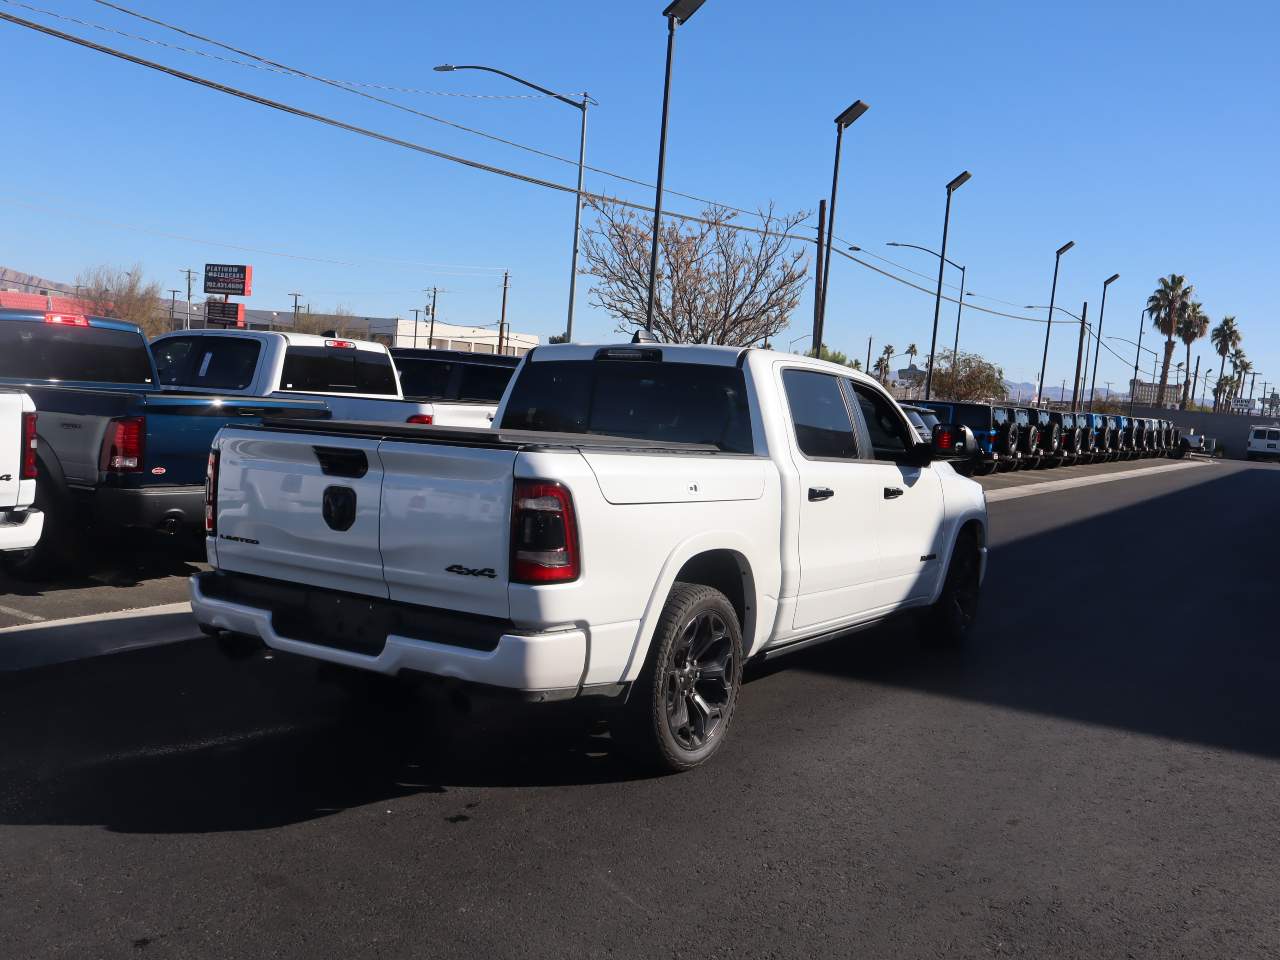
pixel 867 371
pixel 431 330
pixel 1075 387
pixel 296 298
pixel 1195 382
pixel 502 320
pixel 1133 389
pixel 817 280
pixel 1108 383
pixel 189 272
pixel 416 311
pixel 173 305
pixel 1251 386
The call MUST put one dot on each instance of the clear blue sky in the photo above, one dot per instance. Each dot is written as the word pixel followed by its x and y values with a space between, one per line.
pixel 1146 132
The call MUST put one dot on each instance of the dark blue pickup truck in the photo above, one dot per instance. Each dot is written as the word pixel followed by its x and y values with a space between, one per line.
pixel 115 452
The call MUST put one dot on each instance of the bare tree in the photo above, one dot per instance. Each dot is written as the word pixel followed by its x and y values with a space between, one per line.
pixel 716 283
pixel 124 295
pixel 341 321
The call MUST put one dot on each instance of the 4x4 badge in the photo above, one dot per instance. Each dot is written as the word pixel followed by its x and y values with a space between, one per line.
pixel 471 571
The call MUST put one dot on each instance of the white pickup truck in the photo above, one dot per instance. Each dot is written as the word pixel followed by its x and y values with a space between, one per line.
pixel 357 379
pixel 20 526
pixel 642 521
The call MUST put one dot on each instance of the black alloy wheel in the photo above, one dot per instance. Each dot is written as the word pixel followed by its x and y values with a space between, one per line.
pixel 953 616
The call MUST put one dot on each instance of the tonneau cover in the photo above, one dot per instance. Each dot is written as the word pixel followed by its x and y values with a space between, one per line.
pixel 477 437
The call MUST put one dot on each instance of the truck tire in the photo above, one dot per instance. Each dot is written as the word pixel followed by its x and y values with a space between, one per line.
pixel 951 619
pixel 55 553
pixel 680 708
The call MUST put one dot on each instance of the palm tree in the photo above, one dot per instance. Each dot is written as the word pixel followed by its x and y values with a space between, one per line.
pixel 1193 325
pixel 1240 367
pixel 1225 338
pixel 1166 305
pixel 912 352
pixel 881 368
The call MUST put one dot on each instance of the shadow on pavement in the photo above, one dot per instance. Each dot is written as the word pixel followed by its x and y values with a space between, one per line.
pixel 127 563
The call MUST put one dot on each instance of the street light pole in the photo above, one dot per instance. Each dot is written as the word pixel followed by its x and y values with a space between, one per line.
pixel 1048 327
pixel 1102 312
pixel 581 106
pixel 1075 384
pixel 676 13
pixel 846 118
pixel 296 297
pixel 1136 357
pixel 952 187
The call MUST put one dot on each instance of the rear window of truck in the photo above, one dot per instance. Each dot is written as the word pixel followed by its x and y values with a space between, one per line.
pixel 643 400
pixel 427 379
pixel 338 370
pixel 45 351
pixel 220 363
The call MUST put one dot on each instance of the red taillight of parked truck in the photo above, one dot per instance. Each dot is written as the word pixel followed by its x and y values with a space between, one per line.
pixel 27 469
pixel 122 448
pixel 544 534
pixel 211 494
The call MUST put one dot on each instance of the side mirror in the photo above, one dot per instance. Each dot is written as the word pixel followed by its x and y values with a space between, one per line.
pixel 952 441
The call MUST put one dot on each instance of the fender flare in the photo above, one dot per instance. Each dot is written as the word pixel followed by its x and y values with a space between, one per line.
pixel 754 592
pixel 953 535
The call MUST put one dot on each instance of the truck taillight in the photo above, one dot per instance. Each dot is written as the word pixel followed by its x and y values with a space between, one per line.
pixel 211 494
pixel 340 344
pixel 122 448
pixel 544 534
pixel 66 319
pixel 27 468
pixel 421 418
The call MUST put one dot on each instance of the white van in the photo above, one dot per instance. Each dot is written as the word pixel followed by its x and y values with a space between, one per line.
pixel 1264 442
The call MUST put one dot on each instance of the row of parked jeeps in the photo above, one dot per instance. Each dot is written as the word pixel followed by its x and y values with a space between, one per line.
pixel 1024 438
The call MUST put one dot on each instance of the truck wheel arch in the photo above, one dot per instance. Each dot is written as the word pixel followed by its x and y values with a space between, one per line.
pixel 715 561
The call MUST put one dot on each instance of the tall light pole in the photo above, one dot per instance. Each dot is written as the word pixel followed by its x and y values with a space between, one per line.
pixel 844 119
pixel 676 13
pixel 1102 312
pixel 955 346
pixel 581 106
pixel 952 187
pixel 1075 384
pixel 1048 327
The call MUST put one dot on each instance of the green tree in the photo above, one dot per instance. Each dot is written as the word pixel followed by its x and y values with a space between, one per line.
pixel 967 376
pixel 1166 306
pixel 835 356
pixel 558 338
pixel 1225 338
pixel 1193 325
pixel 1241 367
pixel 912 352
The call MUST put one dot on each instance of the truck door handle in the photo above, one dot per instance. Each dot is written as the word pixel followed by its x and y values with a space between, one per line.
pixel 892 493
pixel 821 493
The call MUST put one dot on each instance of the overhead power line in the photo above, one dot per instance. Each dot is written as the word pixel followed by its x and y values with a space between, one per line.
pixel 440 154
pixel 349 87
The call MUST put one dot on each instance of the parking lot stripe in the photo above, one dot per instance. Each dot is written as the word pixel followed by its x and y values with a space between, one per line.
pixel 1053 486
pixel 20 614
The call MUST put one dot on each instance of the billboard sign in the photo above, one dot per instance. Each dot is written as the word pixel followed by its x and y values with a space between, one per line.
pixel 224 313
pixel 233 279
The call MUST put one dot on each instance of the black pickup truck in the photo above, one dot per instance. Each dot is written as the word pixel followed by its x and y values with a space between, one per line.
pixel 114 451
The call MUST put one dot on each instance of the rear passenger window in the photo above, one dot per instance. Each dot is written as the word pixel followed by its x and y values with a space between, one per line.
pixel 823 428
pixel 889 434
pixel 1259 434
pixel 338 370
pixel 1273 434
pixel 484 383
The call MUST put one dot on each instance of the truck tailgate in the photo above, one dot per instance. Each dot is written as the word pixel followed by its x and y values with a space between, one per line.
pixel 301 508
pixel 422 523
pixel 10 448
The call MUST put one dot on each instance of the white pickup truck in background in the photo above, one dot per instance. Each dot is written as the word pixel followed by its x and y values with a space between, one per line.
pixel 642 521
pixel 20 526
pixel 357 379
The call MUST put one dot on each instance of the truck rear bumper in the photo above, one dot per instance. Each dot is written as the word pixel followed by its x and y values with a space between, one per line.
pixel 552 663
pixel 20 529
pixel 153 508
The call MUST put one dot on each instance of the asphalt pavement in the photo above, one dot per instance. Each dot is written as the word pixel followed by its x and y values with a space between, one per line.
pixel 1096 775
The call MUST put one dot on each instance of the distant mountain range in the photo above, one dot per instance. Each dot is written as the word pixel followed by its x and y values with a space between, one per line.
pixel 30 283
pixel 1027 390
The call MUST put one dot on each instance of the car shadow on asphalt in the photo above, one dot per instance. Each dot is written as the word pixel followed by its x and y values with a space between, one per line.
pixel 1156 619
pixel 127 564
pixel 177 739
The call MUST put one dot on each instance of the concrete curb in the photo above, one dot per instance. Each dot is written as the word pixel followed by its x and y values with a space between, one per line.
pixel 75 638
